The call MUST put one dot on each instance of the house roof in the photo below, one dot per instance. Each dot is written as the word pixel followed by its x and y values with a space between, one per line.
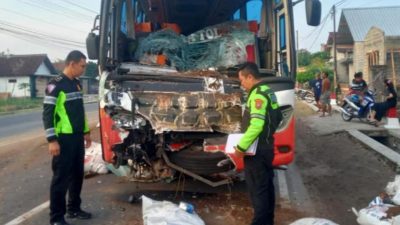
pixel 358 21
pixel 23 65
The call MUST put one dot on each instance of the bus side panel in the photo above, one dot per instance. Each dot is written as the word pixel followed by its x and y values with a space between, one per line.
pixel 109 137
pixel 284 140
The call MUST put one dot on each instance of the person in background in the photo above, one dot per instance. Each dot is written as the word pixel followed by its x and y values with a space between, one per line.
pixel 316 85
pixel 325 95
pixel 67 132
pixel 262 117
pixel 380 109
pixel 358 85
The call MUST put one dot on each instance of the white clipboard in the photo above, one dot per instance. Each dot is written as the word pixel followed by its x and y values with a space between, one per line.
pixel 233 140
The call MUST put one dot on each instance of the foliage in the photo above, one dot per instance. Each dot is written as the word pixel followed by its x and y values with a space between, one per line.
pixel 304 57
pixel 318 64
pixel 13 104
pixel 321 55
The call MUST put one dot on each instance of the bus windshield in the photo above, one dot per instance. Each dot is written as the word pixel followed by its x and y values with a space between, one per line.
pixel 199 35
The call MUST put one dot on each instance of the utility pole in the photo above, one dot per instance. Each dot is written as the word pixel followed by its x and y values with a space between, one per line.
pixel 335 79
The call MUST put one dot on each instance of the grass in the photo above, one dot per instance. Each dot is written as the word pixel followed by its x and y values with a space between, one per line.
pixel 14 104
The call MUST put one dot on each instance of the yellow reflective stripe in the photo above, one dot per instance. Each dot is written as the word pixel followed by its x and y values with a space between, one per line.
pixel 63 125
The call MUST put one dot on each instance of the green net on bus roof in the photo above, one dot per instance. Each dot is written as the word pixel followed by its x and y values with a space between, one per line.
pixel 222 45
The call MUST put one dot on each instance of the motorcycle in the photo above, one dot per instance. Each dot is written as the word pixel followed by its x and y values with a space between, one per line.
pixel 305 95
pixel 354 108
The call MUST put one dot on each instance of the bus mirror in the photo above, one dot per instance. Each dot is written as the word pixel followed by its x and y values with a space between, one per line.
pixel 313 12
pixel 92 46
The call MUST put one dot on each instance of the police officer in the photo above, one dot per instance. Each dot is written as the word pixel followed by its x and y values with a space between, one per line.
pixel 67 134
pixel 262 116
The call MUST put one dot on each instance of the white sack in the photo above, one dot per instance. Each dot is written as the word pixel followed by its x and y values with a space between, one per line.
pixel 313 221
pixel 166 213
pixel 93 159
pixel 373 216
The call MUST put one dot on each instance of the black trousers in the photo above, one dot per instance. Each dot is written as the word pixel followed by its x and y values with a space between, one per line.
pixel 67 176
pixel 259 176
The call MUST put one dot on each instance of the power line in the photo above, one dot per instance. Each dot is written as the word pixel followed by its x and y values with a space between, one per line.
pixel 319 33
pixel 318 27
pixel 51 11
pixel 40 20
pixel 28 32
pixel 39 42
pixel 60 8
pixel 81 7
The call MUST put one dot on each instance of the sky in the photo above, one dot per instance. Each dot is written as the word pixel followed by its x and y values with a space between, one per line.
pixel 56 27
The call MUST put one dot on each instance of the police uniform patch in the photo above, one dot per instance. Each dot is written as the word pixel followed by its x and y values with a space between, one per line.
pixel 50 88
pixel 259 103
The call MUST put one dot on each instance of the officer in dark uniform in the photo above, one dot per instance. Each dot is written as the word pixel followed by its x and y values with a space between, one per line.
pixel 262 116
pixel 67 132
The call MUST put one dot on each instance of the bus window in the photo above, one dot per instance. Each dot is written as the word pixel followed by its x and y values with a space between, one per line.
pixel 124 25
pixel 253 9
pixel 236 15
pixel 282 32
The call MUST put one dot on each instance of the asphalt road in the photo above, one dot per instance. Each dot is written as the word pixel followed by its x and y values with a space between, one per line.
pixel 24 122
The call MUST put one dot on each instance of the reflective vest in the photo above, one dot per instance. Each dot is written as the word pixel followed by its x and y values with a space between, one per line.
pixel 63 109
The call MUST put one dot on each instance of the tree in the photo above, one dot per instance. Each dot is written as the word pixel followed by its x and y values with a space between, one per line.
pixel 318 63
pixel 304 57
pixel 24 86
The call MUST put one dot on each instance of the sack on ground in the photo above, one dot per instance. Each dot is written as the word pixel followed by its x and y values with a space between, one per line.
pixel 313 221
pixel 167 213
pixel 377 215
pixel 94 162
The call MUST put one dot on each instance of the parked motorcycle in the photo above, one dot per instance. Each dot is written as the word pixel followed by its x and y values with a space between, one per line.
pixel 354 108
pixel 305 95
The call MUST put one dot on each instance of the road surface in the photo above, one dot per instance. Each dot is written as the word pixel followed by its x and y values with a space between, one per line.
pixel 331 174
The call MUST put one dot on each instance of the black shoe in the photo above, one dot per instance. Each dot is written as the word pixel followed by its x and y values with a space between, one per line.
pixel 60 223
pixel 82 215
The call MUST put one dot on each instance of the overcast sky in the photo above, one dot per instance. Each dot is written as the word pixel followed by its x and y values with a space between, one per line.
pixel 57 26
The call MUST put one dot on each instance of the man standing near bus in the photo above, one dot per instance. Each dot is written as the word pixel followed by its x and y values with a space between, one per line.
pixel 67 132
pixel 262 116
pixel 326 95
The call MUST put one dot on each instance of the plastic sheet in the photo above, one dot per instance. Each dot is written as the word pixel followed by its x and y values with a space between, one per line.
pixel 222 45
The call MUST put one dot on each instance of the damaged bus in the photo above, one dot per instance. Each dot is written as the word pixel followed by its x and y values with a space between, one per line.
pixel 169 92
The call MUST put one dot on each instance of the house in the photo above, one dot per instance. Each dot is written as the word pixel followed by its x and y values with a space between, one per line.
pixel 25 75
pixel 368 40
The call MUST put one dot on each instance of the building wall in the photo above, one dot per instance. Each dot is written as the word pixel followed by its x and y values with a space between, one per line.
pixel 13 88
pixel 358 58
pixel 42 70
pixel 374 49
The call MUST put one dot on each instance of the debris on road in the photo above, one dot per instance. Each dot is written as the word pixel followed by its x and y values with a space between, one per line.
pixel 168 213
pixel 383 209
pixel 94 163
pixel 313 221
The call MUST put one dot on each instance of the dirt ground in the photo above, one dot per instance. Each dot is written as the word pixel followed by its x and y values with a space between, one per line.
pixel 338 172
